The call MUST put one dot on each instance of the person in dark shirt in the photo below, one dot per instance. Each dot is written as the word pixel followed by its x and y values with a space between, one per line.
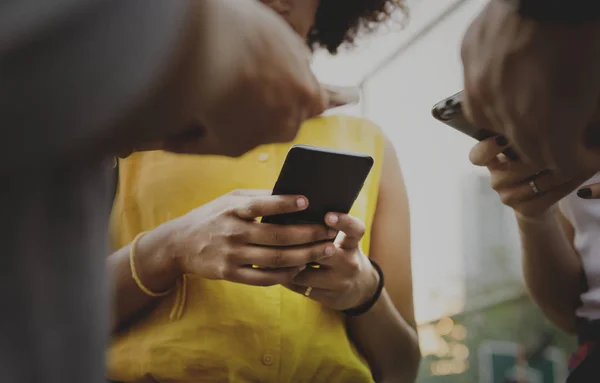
pixel 82 80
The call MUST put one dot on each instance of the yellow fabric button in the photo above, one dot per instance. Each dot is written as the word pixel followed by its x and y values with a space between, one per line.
pixel 263 157
pixel 267 359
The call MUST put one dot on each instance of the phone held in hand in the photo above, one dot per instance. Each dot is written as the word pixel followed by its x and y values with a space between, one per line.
pixel 450 112
pixel 330 179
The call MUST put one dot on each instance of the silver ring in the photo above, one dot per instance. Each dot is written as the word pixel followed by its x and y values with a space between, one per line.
pixel 308 291
pixel 534 187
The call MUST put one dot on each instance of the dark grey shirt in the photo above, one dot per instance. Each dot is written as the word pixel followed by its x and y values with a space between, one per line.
pixel 68 70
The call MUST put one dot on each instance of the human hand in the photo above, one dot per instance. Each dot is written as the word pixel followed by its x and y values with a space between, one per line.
pixel 530 192
pixel 346 279
pixel 191 139
pixel 223 239
pixel 538 84
pixel 590 189
pixel 255 82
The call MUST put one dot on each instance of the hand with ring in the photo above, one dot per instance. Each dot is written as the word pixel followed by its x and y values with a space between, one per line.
pixel 530 192
pixel 346 279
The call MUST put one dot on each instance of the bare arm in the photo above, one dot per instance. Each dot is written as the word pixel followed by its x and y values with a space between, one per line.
pixel 552 268
pixel 217 241
pixel 155 266
pixel 387 334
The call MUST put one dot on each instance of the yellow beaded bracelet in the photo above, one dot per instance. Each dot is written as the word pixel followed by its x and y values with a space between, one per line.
pixel 134 274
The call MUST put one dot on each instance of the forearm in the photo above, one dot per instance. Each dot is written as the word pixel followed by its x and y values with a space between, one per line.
pixel 154 266
pixel 387 341
pixel 552 269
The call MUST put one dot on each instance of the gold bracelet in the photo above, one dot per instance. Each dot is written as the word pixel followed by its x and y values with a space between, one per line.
pixel 134 274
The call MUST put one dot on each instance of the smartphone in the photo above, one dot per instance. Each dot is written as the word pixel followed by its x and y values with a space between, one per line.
pixel 330 179
pixel 449 111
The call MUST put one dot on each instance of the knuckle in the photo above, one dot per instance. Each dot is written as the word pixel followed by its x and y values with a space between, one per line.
pixel 353 265
pixel 253 207
pixel 496 184
pixel 277 259
pixel 278 237
pixel 473 157
pixel 316 233
pixel 476 155
pixel 237 234
pixel 360 228
pixel 227 273
pixel 508 198
pixel 229 258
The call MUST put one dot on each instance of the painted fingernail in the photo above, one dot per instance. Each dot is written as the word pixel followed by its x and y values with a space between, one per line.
pixel 584 193
pixel 501 141
pixel 329 251
pixel 301 203
pixel 332 218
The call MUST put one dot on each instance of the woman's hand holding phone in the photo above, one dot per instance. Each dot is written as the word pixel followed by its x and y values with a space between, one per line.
pixel 223 239
pixel 346 279
pixel 531 192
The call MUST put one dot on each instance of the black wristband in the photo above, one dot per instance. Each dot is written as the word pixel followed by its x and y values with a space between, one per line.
pixel 359 310
pixel 558 11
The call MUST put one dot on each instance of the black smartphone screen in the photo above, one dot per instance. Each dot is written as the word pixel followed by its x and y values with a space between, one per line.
pixel 330 179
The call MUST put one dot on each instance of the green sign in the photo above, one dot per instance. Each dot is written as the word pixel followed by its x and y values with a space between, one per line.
pixel 498 363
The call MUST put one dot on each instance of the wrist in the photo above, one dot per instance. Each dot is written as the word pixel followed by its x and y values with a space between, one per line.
pixel 370 283
pixel 556 11
pixel 154 261
pixel 541 218
pixel 373 286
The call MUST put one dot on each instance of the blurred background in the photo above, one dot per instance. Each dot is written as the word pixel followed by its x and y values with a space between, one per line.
pixel 476 322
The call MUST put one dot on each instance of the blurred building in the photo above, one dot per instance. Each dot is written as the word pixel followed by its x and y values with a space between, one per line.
pixel 470 299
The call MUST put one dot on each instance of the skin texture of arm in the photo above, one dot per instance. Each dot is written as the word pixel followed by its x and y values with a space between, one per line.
pixel 154 266
pixel 552 268
pixel 386 334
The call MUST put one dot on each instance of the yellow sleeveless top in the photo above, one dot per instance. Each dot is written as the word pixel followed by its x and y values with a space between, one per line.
pixel 223 331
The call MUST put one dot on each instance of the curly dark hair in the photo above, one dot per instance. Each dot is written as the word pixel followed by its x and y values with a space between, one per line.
pixel 340 21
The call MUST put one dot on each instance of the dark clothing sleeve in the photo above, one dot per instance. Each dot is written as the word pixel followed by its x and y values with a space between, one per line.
pixel 68 69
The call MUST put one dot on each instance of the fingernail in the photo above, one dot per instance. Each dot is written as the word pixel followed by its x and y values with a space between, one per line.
pixel 329 251
pixel 332 233
pixel 584 193
pixel 301 203
pixel 501 141
pixel 332 218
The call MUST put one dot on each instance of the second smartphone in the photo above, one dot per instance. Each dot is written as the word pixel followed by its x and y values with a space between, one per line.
pixel 450 112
